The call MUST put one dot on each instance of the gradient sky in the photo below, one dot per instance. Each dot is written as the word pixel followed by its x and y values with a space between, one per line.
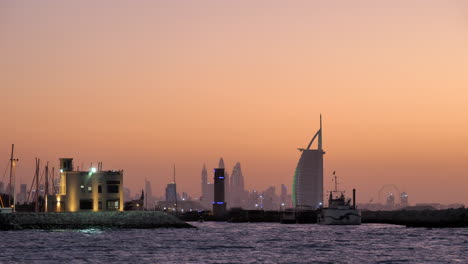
pixel 141 85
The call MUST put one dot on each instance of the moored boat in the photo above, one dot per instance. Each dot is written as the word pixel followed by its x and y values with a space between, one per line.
pixel 339 211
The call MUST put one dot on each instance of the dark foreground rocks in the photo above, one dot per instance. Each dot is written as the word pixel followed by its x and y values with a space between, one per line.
pixel 82 220
pixel 425 218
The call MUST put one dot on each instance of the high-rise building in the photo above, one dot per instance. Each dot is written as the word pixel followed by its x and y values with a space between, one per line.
pixel 268 199
pixel 404 199
pixel 285 199
pixel 23 194
pixel 227 188
pixel 237 192
pixel 308 178
pixel 204 183
pixel 171 192
pixel 207 189
pixel 219 203
pixel 148 202
pixel 221 163
pixel 390 200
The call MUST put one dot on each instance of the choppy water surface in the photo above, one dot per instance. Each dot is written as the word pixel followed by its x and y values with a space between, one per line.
pixel 239 243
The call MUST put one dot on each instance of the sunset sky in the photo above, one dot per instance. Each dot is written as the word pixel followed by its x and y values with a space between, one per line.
pixel 140 85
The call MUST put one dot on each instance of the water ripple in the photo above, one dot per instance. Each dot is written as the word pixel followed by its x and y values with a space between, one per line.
pixel 215 242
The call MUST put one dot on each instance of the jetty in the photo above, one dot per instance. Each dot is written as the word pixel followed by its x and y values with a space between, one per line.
pixel 424 218
pixel 84 220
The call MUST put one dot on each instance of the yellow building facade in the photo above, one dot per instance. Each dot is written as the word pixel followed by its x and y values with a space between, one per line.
pixel 93 190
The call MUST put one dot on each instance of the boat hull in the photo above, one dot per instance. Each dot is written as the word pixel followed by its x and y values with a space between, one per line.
pixel 331 216
pixel 6 210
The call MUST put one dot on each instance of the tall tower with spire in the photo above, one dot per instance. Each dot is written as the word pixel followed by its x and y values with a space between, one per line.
pixel 237 187
pixel 204 180
pixel 221 163
pixel 206 189
pixel 308 177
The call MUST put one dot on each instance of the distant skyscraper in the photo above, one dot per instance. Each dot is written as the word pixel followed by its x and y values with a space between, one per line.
pixel 308 178
pixel 204 180
pixel 404 199
pixel 207 189
pixel 219 203
pixel 148 202
pixel 227 188
pixel 171 194
pixel 237 192
pixel 285 199
pixel 221 163
pixel 22 195
pixel 390 200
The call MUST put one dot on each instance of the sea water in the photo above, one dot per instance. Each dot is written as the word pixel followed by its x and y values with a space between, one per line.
pixel 219 242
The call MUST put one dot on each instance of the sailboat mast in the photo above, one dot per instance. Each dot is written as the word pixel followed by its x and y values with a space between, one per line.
pixel 46 179
pixel 320 135
pixel 11 196
pixel 46 186
pixel 175 191
pixel 336 182
pixel 36 206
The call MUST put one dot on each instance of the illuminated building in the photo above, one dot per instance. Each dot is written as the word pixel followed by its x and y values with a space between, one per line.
pixel 93 190
pixel 227 188
pixel 308 177
pixel 390 200
pixel 148 201
pixel 219 203
pixel 404 199
pixel 171 193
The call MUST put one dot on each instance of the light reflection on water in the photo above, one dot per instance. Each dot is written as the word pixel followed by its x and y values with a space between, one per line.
pixel 90 231
pixel 239 243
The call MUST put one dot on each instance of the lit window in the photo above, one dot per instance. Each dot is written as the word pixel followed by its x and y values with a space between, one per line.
pixel 112 204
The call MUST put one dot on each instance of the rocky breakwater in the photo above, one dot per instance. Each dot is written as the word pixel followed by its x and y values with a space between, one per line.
pixel 425 218
pixel 81 220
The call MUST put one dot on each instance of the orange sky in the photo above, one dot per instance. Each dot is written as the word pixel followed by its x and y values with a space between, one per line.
pixel 142 85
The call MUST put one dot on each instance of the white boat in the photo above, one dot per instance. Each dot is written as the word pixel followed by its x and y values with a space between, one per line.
pixel 339 211
pixel 6 210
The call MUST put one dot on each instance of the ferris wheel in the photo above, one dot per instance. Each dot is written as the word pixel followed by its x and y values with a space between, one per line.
pixel 388 190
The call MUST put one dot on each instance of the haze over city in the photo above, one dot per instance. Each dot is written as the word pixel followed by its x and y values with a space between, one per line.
pixel 142 86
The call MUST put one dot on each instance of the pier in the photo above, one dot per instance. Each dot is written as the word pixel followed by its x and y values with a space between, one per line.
pixel 82 220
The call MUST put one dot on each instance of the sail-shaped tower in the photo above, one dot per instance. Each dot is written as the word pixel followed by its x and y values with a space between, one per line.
pixel 308 177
